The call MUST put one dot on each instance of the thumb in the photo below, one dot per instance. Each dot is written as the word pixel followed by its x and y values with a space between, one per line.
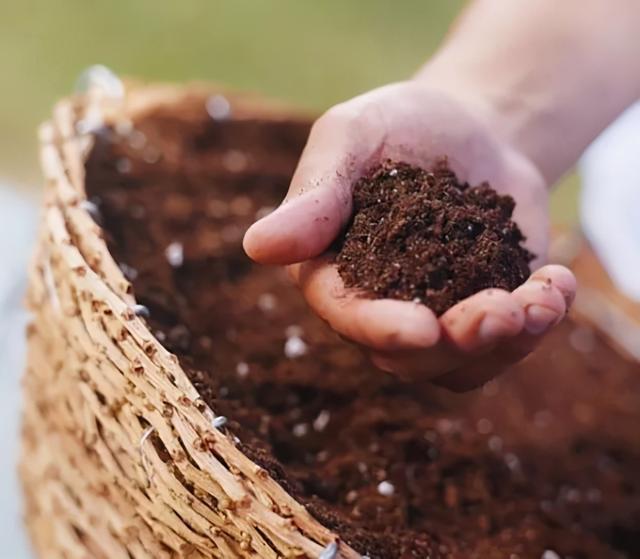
pixel 341 146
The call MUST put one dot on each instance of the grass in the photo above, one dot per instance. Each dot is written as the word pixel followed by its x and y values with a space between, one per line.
pixel 304 51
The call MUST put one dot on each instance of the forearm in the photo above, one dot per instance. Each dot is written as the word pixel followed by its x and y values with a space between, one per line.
pixel 548 76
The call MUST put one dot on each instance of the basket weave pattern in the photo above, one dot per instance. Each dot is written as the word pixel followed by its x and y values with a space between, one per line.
pixel 121 458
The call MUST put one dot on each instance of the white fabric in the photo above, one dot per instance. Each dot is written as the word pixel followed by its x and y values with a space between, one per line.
pixel 610 204
pixel 17 225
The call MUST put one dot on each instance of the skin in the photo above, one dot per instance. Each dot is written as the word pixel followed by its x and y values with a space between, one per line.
pixel 515 111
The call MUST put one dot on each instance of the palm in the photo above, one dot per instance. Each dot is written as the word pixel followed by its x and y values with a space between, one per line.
pixel 407 122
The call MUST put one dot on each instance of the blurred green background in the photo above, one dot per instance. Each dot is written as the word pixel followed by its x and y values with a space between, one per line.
pixel 313 53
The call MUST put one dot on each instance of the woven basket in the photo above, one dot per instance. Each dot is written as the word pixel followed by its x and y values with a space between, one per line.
pixel 105 402
pixel 103 396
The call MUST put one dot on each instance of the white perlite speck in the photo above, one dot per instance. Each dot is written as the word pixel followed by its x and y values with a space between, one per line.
pixel 484 426
pixel 145 462
pixel 141 310
pixel 293 330
pixel 295 347
pixel 91 208
pixel 321 422
pixel 512 461
pixel 386 488
pixel 219 421
pixel 491 388
pixel 495 443
pixel 218 107
pixel 137 139
pixel 550 554
pixel 329 552
pixel 123 165
pixel 267 302
pixel 234 161
pixel 88 125
pixel 101 79
pixel 124 127
pixel 242 369
pixel 151 155
pixel 129 272
pixel 175 254
pixel 300 429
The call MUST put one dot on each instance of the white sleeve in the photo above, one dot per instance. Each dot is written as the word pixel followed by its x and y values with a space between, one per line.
pixel 610 201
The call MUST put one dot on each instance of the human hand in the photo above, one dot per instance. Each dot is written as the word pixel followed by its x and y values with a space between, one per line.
pixel 412 122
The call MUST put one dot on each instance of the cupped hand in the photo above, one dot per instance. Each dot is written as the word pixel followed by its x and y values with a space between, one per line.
pixel 411 122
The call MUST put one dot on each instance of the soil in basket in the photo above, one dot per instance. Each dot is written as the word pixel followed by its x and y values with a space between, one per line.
pixel 545 458
pixel 423 236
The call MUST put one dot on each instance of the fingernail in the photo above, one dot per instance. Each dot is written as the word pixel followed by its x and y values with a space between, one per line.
pixel 539 318
pixel 492 328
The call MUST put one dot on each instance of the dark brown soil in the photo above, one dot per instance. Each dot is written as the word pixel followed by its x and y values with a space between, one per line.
pixel 424 236
pixel 545 458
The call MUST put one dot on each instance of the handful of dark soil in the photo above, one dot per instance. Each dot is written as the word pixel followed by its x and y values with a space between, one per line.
pixel 424 236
